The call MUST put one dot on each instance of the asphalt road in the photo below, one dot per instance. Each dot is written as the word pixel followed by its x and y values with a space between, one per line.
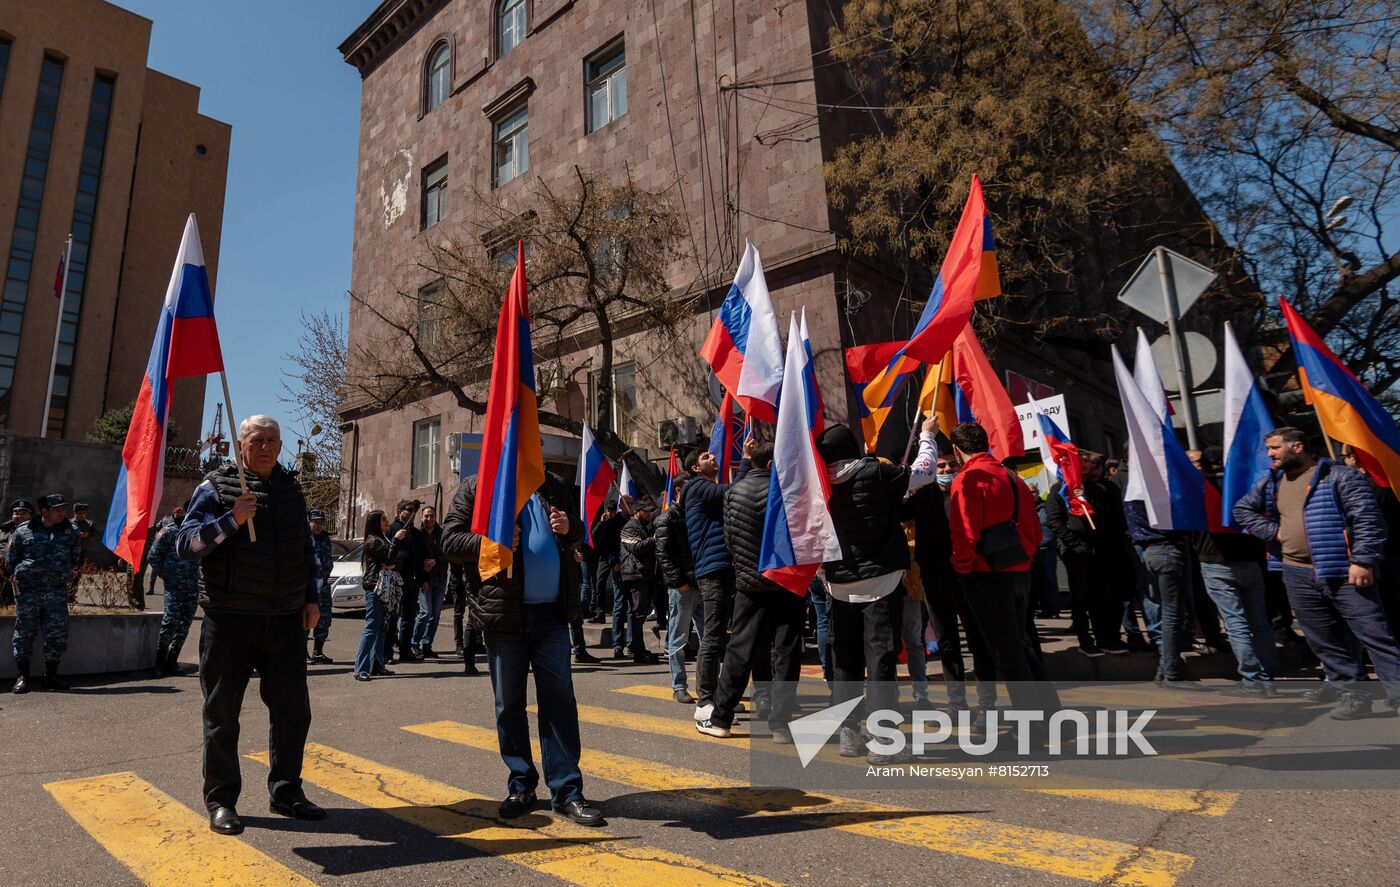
pixel 102 786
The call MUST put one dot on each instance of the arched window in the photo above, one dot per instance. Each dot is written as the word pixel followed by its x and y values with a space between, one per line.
pixel 439 75
pixel 510 25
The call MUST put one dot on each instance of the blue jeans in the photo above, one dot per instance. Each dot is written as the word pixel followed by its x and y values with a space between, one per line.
pixel 1238 592
pixel 622 620
pixel 912 630
pixel 684 608
pixel 429 612
pixel 1326 609
pixel 369 656
pixel 542 648
pixel 1151 611
pixel 1169 586
pixel 821 605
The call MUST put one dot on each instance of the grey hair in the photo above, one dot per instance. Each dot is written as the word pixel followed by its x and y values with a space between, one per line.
pixel 247 425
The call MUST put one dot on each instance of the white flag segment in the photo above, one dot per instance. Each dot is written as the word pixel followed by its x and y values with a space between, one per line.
pixel 1149 382
pixel 798 533
pixel 1246 420
pixel 1147 471
pixel 761 378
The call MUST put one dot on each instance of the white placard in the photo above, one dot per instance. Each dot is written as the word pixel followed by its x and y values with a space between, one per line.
pixel 1054 407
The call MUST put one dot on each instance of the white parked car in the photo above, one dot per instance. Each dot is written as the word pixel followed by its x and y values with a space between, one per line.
pixel 346 591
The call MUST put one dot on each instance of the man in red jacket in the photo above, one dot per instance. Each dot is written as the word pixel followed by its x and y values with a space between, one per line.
pixel 986 494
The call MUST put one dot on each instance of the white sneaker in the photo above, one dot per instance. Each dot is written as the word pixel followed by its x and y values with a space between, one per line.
pixel 711 728
pixel 703 712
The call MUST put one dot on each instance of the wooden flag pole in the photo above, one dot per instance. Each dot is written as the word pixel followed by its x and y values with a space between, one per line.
pixel 237 454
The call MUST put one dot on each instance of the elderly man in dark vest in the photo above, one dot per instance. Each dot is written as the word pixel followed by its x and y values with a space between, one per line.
pixel 259 598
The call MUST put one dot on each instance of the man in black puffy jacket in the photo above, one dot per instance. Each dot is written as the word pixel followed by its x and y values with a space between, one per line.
pixel 682 596
pixel 867 592
pixel 638 580
pixel 766 626
pixel 703 501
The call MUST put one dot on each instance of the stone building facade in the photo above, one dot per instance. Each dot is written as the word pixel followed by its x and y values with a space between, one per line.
pixel 731 108
pixel 94 143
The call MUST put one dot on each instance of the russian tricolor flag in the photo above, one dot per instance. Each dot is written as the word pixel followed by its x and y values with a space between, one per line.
pixel 1160 475
pixel 743 347
pixel 626 485
pixel 1148 380
pixel 595 475
pixel 1346 410
pixel 1061 458
pixel 186 344
pixel 798 533
pixel 512 463
pixel 969 272
pixel 1246 420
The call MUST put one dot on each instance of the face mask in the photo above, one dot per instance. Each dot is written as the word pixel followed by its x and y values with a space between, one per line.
pixel 944 481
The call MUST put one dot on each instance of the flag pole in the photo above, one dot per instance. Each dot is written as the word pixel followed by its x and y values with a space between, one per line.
pixel 237 454
pixel 57 330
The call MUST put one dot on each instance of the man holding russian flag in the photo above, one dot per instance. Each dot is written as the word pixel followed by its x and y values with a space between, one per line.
pixel 514 529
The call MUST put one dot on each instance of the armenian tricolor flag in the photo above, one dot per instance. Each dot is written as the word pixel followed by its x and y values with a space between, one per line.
pixel 512 464
pixel 985 396
pixel 969 273
pixel 727 438
pixel 1346 410
pixel 672 471
pixel 864 363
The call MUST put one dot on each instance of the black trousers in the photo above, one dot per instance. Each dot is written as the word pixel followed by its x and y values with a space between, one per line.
pixel 1096 604
pixel 717 594
pixel 999 602
pixel 865 647
pixel 640 595
pixel 230 647
pixel 766 630
pixel 945 602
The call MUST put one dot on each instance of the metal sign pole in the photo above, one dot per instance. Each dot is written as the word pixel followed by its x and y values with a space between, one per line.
pixel 1183 369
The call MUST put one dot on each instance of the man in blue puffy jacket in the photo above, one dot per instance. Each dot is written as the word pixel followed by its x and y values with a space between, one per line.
pixel 1325 532
pixel 703 503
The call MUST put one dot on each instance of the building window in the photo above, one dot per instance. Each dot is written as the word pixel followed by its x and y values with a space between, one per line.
pixel 430 315
pixel 23 241
pixel 434 192
pixel 626 421
pixel 439 76
pixel 84 214
pixel 427 438
pixel 511 148
pixel 606 87
pixel 4 63
pixel 510 25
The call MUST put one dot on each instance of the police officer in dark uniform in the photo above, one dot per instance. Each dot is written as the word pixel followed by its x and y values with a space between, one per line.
pixel 42 557
pixel 20 513
pixel 260 596
pixel 181 580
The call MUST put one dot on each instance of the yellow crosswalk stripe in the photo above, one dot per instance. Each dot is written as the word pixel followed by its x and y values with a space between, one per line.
pixel 572 853
pixel 1171 800
pixel 162 841
pixel 1073 856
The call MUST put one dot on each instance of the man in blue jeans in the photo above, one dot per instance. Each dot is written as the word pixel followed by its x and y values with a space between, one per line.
pixel 684 606
pixel 1325 531
pixel 1169 587
pixel 524 614
pixel 1229 562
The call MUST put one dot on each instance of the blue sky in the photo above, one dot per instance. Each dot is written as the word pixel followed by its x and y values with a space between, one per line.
pixel 271 70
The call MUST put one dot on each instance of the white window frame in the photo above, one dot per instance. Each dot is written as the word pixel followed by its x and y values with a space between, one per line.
pixel 428 471
pixel 611 83
pixel 439 77
pixel 511 21
pixel 510 130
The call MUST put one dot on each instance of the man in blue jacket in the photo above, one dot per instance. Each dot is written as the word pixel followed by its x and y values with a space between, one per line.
pixel 703 503
pixel 1325 532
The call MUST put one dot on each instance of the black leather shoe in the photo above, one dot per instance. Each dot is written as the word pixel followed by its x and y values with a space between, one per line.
pixel 644 657
pixel 683 697
pixel 581 812
pixel 517 805
pixel 225 821
pixel 583 657
pixel 21 683
pixel 297 808
pixel 362 677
